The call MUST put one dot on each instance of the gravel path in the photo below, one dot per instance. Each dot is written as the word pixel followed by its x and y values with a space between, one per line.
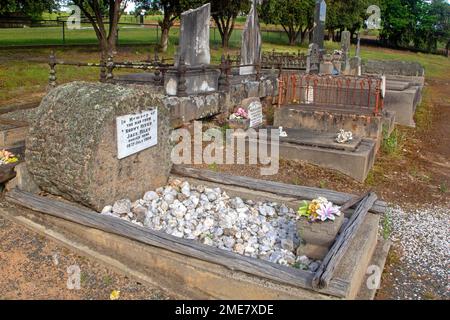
pixel 420 258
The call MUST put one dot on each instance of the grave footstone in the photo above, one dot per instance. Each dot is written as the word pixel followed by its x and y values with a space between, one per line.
pixel 194 36
pixel 320 15
pixel 251 41
pixel 94 143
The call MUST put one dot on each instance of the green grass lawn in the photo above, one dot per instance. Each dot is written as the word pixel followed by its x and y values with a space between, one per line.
pixel 24 72
pixel 128 34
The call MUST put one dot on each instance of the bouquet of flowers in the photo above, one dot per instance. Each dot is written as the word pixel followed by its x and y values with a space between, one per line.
pixel 240 114
pixel 7 157
pixel 319 209
pixel 344 136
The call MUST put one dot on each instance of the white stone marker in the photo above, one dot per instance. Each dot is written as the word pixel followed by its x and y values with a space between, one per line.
pixel 255 114
pixel 136 132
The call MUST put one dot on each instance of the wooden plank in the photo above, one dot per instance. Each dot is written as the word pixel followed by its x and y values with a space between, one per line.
pixel 24 106
pixel 13 123
pixel 12 132
pixel 350 203
pixel 230 260
pixel 300 192
pixel 324 274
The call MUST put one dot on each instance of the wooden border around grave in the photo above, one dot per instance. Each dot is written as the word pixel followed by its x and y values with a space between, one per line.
pixel 230 260
pixel 254 267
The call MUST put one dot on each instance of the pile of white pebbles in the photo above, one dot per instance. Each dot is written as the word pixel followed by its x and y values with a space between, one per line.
pixel 264 230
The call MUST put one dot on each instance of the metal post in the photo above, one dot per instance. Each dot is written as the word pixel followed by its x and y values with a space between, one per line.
pixel 223 76
pixel 181 88
pixel 63 32
pixel 157 33
pixel 103 71
pixel 110 69
pixel 157 77
pixel 52 75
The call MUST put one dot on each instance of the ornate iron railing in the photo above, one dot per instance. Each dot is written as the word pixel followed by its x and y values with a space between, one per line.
pixel 351 93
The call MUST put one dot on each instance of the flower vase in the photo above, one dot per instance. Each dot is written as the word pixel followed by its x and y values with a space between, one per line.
pixel 243 124
pixel 317 237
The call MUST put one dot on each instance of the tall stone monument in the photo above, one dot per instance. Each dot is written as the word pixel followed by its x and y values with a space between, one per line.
pixel 320 15
pixel 345 47
pixel 194 36
pixel 251 41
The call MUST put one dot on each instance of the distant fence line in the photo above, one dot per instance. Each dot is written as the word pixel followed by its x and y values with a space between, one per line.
pixel 66 36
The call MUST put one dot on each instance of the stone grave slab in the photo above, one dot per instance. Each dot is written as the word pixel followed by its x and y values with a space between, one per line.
pixel 318 139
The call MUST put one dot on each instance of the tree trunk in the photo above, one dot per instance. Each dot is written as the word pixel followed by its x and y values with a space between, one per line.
pixel 292 37
pixel 303 35
pixel 225 38
pixel 164 42
pixel 165 25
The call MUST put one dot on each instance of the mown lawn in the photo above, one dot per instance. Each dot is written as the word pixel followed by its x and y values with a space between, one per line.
pixel 24 72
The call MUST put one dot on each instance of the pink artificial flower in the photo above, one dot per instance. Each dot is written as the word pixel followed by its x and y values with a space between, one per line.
pixel 241 112
pixel 328 212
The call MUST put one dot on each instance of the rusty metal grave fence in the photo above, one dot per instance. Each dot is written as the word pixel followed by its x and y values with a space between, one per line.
pixel 280 60
pixel 348 93
pixel 107 68
pixel 155 65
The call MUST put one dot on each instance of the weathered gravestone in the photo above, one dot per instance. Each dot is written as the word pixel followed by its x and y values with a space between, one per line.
pixel 354 66
pixel 313 59
pixel 94 143
pixel 194 36
pixel 187 78
pixel 326 66
pixel 251 41
pixel 320 14
pixel 253 106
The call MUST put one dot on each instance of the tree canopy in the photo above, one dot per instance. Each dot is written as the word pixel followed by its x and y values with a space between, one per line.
pixel 31 8
pixel 295 16
pixel 415 23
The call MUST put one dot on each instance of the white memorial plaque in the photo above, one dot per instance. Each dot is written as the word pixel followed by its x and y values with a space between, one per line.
pixel 255 114
pixel 136 132
pixel 309 95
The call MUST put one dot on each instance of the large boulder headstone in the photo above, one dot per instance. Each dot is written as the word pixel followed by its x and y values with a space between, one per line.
pixel 194 36
pixel 95 143
pixel 251 41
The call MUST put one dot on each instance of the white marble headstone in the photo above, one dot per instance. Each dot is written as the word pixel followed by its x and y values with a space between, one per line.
pixel 255 114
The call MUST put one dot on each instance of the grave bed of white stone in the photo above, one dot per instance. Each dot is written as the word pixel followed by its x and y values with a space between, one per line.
pixel 264 230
